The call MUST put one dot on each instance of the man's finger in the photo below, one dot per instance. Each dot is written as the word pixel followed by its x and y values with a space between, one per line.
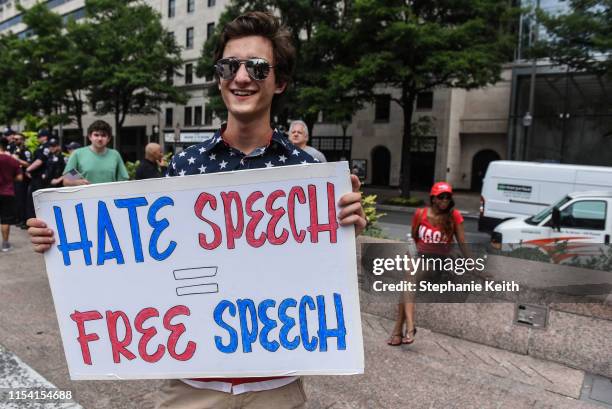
pixel 355 183
pixel 41 248
pixel 33 222
pixel 42 240
pixel 349 198
pixel 40 231
pixel 349 210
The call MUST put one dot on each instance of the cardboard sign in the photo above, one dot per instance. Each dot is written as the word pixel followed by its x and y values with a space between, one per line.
pixel 223 275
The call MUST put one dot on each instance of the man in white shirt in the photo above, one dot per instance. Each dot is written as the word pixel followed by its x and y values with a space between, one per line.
pixel 298 135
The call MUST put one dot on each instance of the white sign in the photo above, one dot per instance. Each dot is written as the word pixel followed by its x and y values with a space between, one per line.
pixel 189 137
pixel 223 275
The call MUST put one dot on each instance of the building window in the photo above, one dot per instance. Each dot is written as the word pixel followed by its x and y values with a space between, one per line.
pixel 188 73
pixel 211 3
pixel 382 108
pixel 188 118
pixel 170 76
pixel 210 29
pixel 190 6
pixel 424 101
pixel 197 115
pixel 169 116
pixel 171 8
pixel 189 38
pixel 208 116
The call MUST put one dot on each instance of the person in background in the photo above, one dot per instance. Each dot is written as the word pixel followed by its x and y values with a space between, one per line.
pixel 24 157
pixel 433 229
pixel 55 164
pixel 298 135
pixel 97 163
pixel 70 148
pixel 37 169
pixel 9 134
pixel 153 164
pixel 9 173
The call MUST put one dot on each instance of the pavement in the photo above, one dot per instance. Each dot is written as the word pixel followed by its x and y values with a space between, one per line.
pixel 468 203
pixel 437 371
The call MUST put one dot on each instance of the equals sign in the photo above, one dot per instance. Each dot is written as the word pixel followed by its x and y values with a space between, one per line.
pixel 198 279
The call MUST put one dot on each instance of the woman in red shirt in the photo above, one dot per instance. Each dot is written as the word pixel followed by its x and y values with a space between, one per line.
pixel 433 229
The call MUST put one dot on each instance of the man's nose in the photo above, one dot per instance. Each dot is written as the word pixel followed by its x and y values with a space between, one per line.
pixel 242 75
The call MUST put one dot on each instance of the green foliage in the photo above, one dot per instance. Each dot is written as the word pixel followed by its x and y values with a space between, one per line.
pixel 420 45
pixel 31 140
pixel 131 168
pixel 13 79
pixel 372 215
pixel 118 57
pixel 580 38
pixel 130 54
pixel 404 201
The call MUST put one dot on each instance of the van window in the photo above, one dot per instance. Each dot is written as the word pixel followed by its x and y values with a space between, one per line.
pixel 585 214
pixel 537 219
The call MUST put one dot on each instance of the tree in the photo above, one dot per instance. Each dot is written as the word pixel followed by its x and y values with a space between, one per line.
pixel 130 54
pixel 43 91
pixel 581 38
pixel 418 45
pixel 13 79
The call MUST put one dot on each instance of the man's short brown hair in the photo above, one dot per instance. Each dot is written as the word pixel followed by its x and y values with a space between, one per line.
pixel 258 23
pixel 100 126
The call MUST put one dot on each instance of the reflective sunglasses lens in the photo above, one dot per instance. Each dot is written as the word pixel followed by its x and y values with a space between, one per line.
pixel 444 196
pixel 227 68
pixel 258 68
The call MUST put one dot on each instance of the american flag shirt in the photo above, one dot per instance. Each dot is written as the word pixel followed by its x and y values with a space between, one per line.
pixel 215 155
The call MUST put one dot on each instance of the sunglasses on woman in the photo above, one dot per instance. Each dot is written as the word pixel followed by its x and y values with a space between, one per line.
pixel 257 68
pixel 444 196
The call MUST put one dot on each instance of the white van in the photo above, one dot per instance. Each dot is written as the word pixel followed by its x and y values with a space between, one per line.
pixel 578 218
pixel 519 189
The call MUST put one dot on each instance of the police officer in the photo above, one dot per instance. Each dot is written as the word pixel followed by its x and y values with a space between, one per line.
pixel 24 156
pixel 37 169
pixel 55 165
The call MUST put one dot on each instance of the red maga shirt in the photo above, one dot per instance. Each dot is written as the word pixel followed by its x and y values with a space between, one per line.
pixel 430 239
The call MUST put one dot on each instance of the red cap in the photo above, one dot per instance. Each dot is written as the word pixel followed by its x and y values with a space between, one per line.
pixel 441 187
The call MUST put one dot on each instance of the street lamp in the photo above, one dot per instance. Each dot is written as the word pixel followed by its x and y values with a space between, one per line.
pixel 177 135
pixel 344 124
pixel 527 122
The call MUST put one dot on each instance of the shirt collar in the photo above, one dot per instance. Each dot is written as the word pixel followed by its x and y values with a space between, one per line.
pixel 278 139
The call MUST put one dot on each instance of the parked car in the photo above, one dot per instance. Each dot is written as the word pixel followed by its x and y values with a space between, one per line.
pixel 514 189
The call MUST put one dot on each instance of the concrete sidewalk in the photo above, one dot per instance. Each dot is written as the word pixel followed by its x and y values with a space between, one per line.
pixel 437 371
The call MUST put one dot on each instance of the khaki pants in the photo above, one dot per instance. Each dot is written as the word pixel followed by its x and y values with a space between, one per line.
pixel 176 394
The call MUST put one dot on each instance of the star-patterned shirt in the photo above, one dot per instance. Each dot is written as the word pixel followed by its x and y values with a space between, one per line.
pixel 216 155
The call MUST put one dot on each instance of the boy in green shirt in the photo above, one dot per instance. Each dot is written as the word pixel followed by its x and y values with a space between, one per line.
pixel 96 163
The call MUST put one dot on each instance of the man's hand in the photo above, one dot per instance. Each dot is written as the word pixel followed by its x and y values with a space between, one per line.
pixel 351 210
pixel 40 235
pixel 75 182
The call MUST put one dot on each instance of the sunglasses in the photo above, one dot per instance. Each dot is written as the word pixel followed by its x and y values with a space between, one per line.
pixel 257 68
pixel 444 196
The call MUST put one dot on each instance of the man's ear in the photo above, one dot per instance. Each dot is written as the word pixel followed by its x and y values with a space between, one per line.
pixel 280 87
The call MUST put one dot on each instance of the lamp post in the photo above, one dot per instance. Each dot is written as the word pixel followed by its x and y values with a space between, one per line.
pixel 344 124
pixel 527 121
pixel 177 135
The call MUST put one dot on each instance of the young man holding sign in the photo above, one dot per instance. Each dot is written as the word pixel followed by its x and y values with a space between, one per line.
pixel 254 61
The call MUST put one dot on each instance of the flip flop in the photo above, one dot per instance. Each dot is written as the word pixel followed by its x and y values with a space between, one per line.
pixel 394 337
pixel 409 337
